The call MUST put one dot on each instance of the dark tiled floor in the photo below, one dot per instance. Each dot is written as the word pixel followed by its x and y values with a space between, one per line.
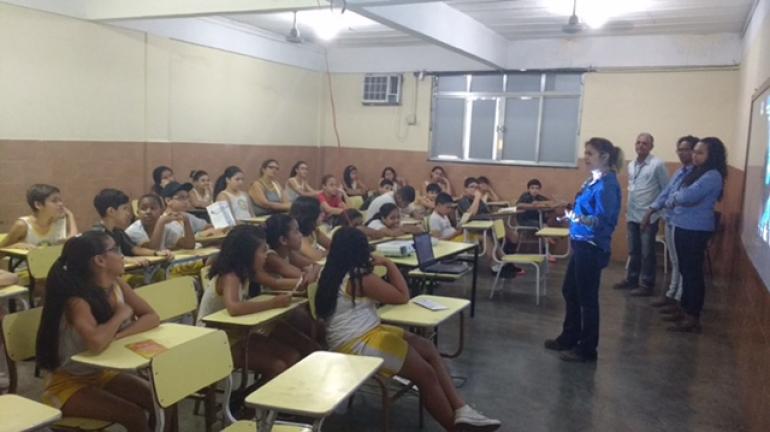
pixel 646 379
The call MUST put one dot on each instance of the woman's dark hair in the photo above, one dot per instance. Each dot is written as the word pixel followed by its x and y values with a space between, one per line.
pixel 717 160
pixel 346 175
pixel 265 164
pixel 603 145
pixel 689 139
pixel 295 168
pixel 348 216
pixel 157 176
pixel 195 175
pixel 326 178
pixel 38 193
pixel 349 254
pixel 150 197
pixel 71 277
pixel 221 183
pixel 306 211
pixel 277 226
pixel 383 212
pixel 386 169
pixel 237 252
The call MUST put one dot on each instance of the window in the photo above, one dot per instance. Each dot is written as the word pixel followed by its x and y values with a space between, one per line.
pixel 514 118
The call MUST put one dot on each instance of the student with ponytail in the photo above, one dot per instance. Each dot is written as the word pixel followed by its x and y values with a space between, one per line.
pixel 229 188
pixel 87 306
pixel 200 195
pixel 161 176
pixel 387 221
pixel 592 222
pixel 346 300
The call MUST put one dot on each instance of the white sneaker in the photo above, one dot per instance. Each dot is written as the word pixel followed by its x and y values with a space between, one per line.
pixel 468 419
pixel 496 267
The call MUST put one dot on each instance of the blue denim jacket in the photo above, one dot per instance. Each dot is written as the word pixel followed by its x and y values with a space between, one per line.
pixel 692 207
pixel 672 186
pixel 597 207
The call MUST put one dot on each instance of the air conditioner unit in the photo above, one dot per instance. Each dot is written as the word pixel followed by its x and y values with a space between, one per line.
pixel 382 89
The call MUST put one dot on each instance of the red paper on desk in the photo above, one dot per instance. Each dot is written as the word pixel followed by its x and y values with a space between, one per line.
pixel 146 348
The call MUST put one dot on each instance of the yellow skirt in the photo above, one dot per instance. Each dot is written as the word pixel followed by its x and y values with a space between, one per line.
pixel 61 386
pixel 384 341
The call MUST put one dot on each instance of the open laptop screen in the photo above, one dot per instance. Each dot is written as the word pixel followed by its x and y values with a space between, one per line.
pixel 424 249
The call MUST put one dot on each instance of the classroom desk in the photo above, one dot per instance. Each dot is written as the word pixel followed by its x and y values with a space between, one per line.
pixel 313 387
pixel 387 239
pixel 557 233
pixel 480 227
pixel 410 221
pixel 413 315
pixel 118 357
pixel 16 255
pixel 15 292
pixel 212 239
pixel 21 414
pixel 133 263
pixel 223 318
pixel 257 220
pixel 443 250
pixel 498 204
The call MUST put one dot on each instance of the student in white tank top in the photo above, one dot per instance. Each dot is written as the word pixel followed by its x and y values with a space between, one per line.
pixel 88 307
pixel 50 222
pixel 229 189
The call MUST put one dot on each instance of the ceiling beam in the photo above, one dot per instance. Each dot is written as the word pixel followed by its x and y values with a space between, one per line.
pixel 143 9
pixel 440 24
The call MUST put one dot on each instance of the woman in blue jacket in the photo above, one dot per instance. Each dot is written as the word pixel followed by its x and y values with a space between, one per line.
pixel 691 210
pixel 592 222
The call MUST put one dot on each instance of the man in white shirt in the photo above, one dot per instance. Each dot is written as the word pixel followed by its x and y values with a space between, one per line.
pixel 401 198
pixel 647 177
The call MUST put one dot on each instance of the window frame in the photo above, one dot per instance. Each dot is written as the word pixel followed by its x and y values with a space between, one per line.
pixel 501 99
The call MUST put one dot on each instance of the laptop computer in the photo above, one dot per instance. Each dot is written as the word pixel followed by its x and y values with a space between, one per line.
pixel 427 261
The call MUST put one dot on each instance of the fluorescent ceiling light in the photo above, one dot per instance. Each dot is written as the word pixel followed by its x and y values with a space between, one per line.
pixel 596 13
pixel 327 24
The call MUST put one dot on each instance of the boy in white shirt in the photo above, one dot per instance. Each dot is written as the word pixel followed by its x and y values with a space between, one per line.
pixel 440 225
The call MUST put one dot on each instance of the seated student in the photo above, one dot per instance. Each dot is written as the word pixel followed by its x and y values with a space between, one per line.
pixel 307 212
pixel 298 185
pixel 266 194
pixel 243 252
pixel 389 173
pixel 115 216
pixel 346 300
pixel 331 199
pixel 229 188
pixel 355 219
pixel 425 204
pixel 384 187
pixel 488 194
pixel 387 221
pixel 50 222
pixel 286 269
pixel 352 184
pixel 440 225
pixel 200 195
pixel 161 176
pixel 438 176
pixel 402 198
pixel 528 201
pixel 87 307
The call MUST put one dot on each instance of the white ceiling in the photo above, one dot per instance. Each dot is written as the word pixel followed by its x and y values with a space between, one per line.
pixel 533 19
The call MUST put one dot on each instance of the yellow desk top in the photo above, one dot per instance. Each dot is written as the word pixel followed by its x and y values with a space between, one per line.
pixel 13 290
pixel 252 320
pixel 316 385
pixel 258 220
pixel 22 414
pixel 185 254
pixel 441 250
pixel 410 221
pixel 553 232
pixel 210 239
pixel 507 211
pixel 387 239
pixel 413 315
pixel 118 357
pixel 14 252
pixel 499 203
pixel 131 263
pixel 478 225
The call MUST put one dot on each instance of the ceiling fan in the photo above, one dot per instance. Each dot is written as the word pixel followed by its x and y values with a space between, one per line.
pixel 294 36
pixel 573 25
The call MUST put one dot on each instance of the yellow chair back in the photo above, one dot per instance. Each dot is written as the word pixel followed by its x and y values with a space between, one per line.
pixel 312 289
pixel 499 228
pixel 355 202
pixel 171 298
pixel 189 367
pixel 135 207
pixel 40 260
pixel 20 333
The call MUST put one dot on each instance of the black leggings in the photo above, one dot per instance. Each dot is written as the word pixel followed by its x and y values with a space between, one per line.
pixel 690 250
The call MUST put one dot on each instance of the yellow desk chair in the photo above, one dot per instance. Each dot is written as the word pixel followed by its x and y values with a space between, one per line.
pixel 15 292
pixel 355 201
pixel 534 260
pixel 171 299
pixel 19 336
pixel 39 262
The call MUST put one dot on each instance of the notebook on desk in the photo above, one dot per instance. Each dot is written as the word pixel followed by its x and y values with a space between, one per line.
pixel 428 263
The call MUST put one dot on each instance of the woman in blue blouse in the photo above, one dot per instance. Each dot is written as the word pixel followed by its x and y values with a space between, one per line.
pixel 691 210
pixel 592 222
